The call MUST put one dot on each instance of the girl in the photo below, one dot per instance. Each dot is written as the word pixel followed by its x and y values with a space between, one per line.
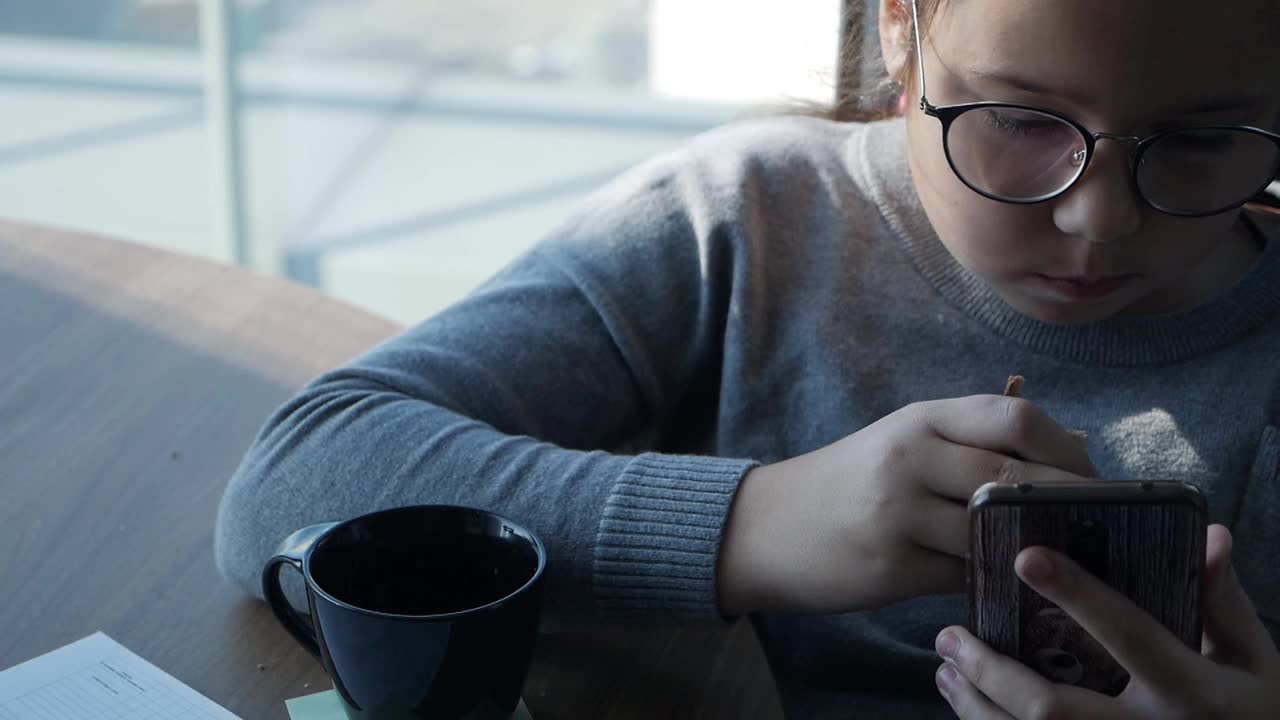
pixel 751 377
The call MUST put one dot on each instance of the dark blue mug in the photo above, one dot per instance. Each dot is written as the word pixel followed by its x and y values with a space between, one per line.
pixel 427 611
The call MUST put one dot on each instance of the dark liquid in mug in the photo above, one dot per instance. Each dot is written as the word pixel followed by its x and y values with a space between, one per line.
pixel 427 576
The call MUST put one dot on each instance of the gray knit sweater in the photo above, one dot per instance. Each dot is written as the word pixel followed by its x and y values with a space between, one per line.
pixel 763 292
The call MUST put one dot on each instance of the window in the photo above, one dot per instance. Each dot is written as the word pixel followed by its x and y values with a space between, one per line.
pixel 392 152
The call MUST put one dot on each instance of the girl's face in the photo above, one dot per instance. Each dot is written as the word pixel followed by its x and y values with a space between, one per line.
pixel 1132 68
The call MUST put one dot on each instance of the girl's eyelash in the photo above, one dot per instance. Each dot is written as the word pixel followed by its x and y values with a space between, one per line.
pixel 1204 144
pixel 1001 121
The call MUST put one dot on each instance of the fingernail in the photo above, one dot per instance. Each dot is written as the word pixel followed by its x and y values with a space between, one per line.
pixel 946 679
pixel 948 645
pixel 1037 568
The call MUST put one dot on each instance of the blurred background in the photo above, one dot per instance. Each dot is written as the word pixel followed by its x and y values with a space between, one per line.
pixel 393 153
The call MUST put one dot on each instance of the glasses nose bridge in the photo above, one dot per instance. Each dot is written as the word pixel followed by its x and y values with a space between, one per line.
pixel 1133 141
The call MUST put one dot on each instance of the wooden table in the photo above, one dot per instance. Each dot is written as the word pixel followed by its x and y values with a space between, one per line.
pixel 131 382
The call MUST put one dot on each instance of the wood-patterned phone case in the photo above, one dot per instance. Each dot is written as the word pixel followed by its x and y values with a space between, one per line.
pixel 1154 553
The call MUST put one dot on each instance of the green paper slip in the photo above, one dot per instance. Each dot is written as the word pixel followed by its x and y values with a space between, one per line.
pixel 326 706
pixel 320 706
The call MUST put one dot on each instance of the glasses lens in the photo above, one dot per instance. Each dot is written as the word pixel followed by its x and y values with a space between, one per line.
pixel 1203 171
pixel 1015 154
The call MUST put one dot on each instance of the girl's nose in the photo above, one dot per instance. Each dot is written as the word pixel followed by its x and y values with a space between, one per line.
pixel 1103 205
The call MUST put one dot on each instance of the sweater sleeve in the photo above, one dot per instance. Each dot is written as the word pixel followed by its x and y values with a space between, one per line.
pixel 542 396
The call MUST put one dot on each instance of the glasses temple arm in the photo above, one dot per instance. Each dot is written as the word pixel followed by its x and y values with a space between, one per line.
pixel 915 26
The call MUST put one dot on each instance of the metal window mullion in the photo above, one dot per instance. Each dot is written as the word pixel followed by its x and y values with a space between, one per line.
pixel 222 127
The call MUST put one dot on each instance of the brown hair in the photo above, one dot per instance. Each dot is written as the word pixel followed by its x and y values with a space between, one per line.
pixel 864 90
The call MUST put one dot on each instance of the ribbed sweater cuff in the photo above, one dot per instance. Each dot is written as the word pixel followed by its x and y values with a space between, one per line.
pixel 659 538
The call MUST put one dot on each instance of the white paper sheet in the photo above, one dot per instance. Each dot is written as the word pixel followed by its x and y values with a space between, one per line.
pixel 97 678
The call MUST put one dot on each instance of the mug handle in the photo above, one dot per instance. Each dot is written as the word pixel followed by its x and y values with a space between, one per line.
pixel 291 552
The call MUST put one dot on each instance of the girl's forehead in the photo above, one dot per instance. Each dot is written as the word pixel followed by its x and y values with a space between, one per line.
pixel 1142 54
pixel 1134 20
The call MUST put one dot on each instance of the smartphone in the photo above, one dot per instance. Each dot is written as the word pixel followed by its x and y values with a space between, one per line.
pixel 1146 539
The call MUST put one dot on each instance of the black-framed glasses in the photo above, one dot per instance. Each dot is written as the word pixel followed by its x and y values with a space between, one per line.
pixel 1021 154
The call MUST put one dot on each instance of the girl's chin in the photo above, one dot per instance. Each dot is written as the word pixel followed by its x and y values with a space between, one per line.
pixel 1052 308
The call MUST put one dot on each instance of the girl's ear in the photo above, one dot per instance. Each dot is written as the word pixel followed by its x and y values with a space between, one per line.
pixel 896 37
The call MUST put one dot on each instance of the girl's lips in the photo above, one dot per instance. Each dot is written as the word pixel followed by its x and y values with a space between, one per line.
pixel 1079 288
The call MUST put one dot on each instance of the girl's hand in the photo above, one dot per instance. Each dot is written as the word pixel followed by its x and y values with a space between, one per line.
pixel 882 515
pixel 1236 676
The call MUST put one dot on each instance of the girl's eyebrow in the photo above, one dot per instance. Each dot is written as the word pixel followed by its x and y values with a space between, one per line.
pixel 1196 107
pixel 1021 83
pixel 1218 105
